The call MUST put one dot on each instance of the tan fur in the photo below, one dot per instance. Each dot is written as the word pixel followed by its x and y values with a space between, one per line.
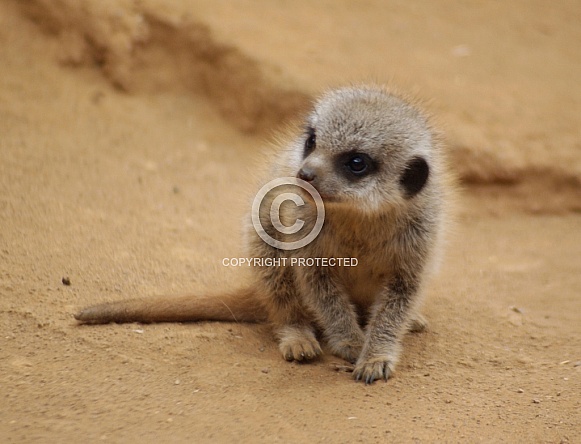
pixel 390 218
pixel 239 306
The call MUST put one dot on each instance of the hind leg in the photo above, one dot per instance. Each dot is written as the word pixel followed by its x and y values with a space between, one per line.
pixel 336 316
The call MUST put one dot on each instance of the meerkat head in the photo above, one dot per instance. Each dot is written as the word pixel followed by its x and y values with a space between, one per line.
pixel 365 147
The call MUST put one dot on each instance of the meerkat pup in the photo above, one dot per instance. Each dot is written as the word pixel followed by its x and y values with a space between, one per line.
pixel 380 172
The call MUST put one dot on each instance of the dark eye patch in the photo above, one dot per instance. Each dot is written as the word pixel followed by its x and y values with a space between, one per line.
pixel 310 142
pixel 355 165
pixel 414 176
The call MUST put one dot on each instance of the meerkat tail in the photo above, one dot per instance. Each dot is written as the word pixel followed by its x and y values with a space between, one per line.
pixel 238 306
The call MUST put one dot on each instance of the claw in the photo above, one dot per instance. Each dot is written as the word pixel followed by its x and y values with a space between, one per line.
pixel 369 372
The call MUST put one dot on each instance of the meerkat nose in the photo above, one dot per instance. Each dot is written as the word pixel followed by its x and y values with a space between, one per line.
pixel 307 174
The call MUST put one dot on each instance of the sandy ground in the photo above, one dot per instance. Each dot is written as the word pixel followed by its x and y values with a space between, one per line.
pixel 129 138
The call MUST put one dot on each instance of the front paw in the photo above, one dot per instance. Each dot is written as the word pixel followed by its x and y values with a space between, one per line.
pixel 370 370
pixel 298 344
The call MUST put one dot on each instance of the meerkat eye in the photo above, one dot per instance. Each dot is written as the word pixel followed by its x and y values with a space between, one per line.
pixel 354 165
pixel 310 142
pixel 357 164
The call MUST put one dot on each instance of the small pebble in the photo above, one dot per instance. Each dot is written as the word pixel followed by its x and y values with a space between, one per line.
pixel 520 391
pixel 66 281
pixel 265 370
pixel 177 382
pixel 536 401
pixel 347 368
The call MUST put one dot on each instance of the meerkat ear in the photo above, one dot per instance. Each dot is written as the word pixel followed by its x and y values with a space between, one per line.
pixel 415 176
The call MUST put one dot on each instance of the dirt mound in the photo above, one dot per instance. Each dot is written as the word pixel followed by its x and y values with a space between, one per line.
pixel 145 47
pixel 141 50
